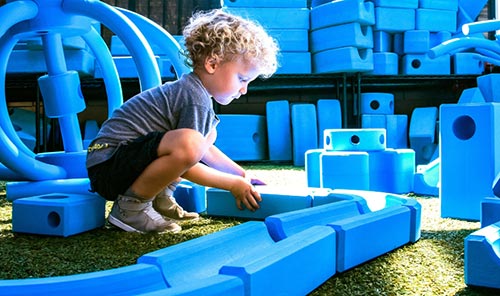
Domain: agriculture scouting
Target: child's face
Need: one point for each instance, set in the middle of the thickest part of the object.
(229, 80)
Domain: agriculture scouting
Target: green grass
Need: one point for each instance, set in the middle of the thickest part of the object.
(431, 266)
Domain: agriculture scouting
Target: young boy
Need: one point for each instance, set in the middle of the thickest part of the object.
(168, 132)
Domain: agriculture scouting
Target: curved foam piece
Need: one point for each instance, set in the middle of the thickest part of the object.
(481, 27)
(462, 44)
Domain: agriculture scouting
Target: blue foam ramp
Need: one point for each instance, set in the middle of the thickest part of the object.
(275, 18)
(242, 136)
(439, 4)
(467, 63)
(294, 63)
(264, 3)
(58, 214)
(426, 181)
(421, 64)
(341, 12)
(295, 265)
(355, 139)
(279, 130)
(344, 59)
(471, 95)
(482, 257)
(422, 132)
(275, 200)
(392, 170)
(394, 20)
(191, 196)
(350, 34)
(20, 189)
(344, 170)
(385, 63)
(488, 86)
(329, 117)
(304, 131)
(469, 139)
(291, 39)
(377, 103)
(33, 61)
(436, 20)
(490, 211)
(134, 279)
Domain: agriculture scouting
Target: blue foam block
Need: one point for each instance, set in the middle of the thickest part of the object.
(345, 170)
(420, 64)
(422, 132)
(133, 279)
(242, 136)
(294, 63)
(90, 130)
(33, 61)
(426, 181)
(329, 117)
(20, 189)
(396, 3)
(393, 20)
(275, 200)
(439, 4)
(416, 41)
(437, 38)
(355, 139)
(396, 127)
(350, 34)
(469, 139)
(279, 130)
(58, 214)
(377, 103)
(382, 41)
(392, 170)
(471, 95)
(471, 8)
(191, 196)
(290, 40)
(312, 167)
(385, 63)
(342, 12)
(345, 59)
(304, 131)
(490, 211)
(296, 265)
(264, 3)
(275, 18)
(467, 63)
(436, 20)
(482, 257)
(488, 85)
(72, 162)
(211, 286)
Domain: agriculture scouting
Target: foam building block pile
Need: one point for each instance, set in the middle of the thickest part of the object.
(360, 159)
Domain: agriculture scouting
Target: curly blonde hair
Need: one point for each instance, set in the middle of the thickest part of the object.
(226, 37)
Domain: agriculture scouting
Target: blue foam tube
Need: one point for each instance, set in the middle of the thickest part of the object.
(463, 43)
(481, 27)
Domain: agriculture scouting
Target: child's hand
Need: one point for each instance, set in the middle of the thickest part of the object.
(244, 193)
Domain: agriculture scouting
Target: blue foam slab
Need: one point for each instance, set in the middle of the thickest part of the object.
(426, 181)
(275, 200)
(377, 103)
(488, 85)
(264, 3)
(133, 279)
(436, 20)
(355, 139)
(329, 117)
(304, 131)
(419, 64)
(422, 131)
(396, 3)
(312, 167)
(385, 63)
(294, 63)
(275, 18)
(482, 257)
(242, 136)
(416, 41)
(396, 126)
(471, 95)
(58, 214)
(467, 63)
(393, 20)
(191, 196)
(344, 170)
(345, 59)
(342, 12)
(296, 265)
(33, 61)
(469, 139)
(290, 39)
(72, 162)
(490, 211)
(382, 42)
(392, 170)
(279, 130)
(350, 34)
(439, 4)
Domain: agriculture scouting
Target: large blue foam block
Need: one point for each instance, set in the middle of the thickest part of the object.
(396, 127)
(422, 132)
(279, 130)
(350, 34)
(393, 20)
(436, 20)
(344, 59)
(191, 196)
(342, 12)
(294, 63)
(304, 131)
(422, 64)
(275, 17)
(355, 139)
(488, 86)
(329, 117)
(377, 103)
(392, 170)
(344, 170)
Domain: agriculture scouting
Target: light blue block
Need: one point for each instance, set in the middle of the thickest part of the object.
(467, 63)
(279, 130)
(33, 61)
(422, 132)
(294, 63)
(396, 126)
(427, 180)
(377, 103)
(342, 12)
(242, 136)
(396, 3)
(345, 170)
(312, 167)
(58, 214)
(382, 42)
(394, 19)
(345, 59)
(72, 162)
(471, 95)
(275, 200)
(133, 279)
(488, 85)
(304, 131)
(419, 64)
(264, 3)
(385, 63)
(392, 170)
(482, 257)
(436, 20)
(291, 40)
(490, 211)
(416, 41)
(191, 196)
(329, 117)
(296, 265)
(439, 4)
(469, 139)
(350, 34)
(355, 139)
(275, 18)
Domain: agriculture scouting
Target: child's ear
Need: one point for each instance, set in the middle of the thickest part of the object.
(211, 64)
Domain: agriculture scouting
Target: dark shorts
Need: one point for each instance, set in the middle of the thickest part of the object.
(114, 176)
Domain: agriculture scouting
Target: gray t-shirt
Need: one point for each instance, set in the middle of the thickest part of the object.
(184, 103)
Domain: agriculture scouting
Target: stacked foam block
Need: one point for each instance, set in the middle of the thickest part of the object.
(287, 22)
